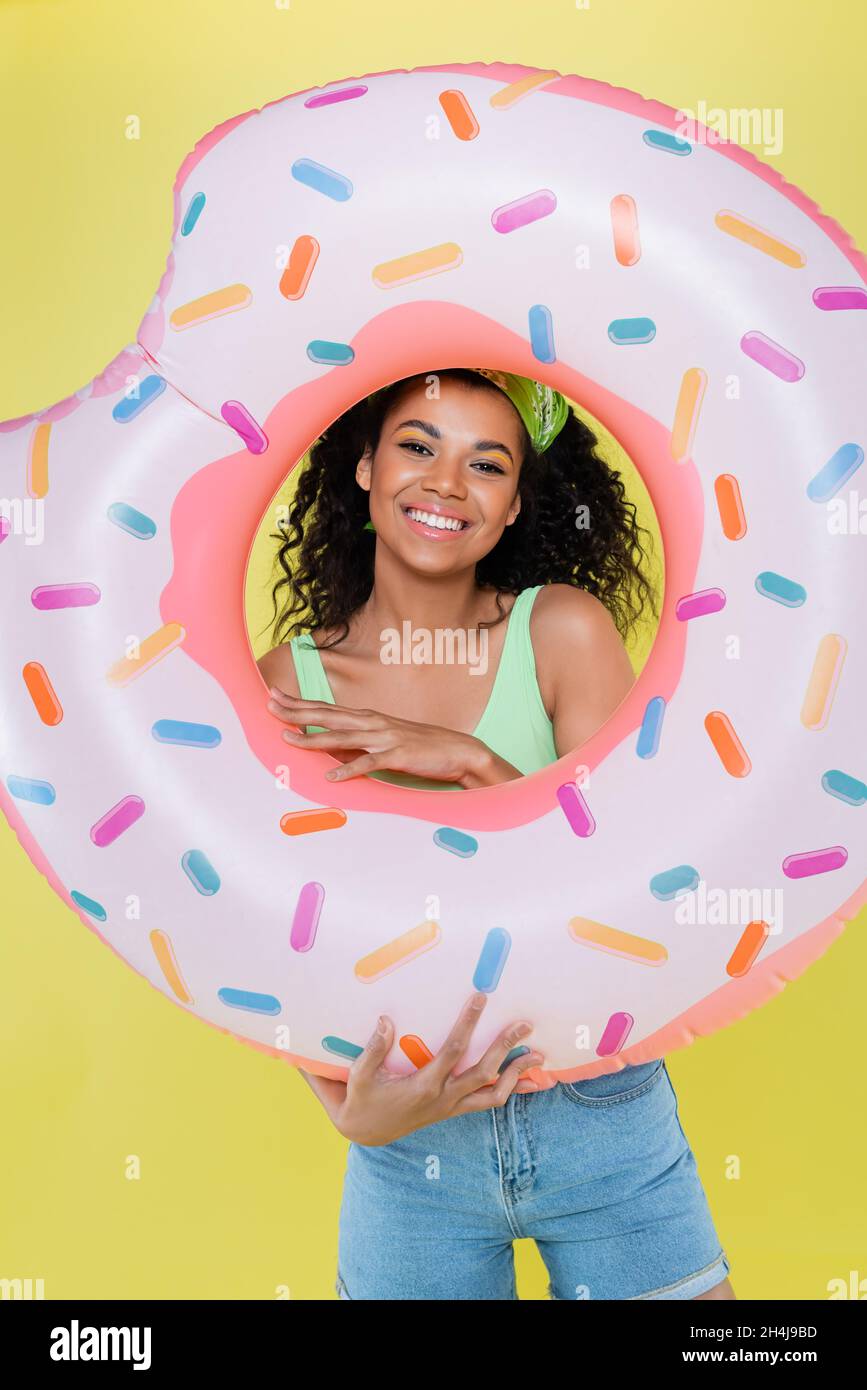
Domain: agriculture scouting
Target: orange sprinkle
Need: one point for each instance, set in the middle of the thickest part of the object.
(151, 650)
(730, 506)
(459, 114)
(417, 1051)
(624, 225)
(165, 954)
(761, 240)
(507, 96)
(209, 306)
(397, 952)
(299, 268)
(42, 693)
(306, 822)
(727, 744)
(823, 681)
(417, 265)
(619, 943)
(37, 460)
(743, 956)
(692, 388)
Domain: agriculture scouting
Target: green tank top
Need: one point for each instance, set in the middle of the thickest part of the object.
(514, 724)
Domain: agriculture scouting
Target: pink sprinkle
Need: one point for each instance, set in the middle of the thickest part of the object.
(117, 820)
(5, 527)
(617, 1030)
(840, 297)
(698, 604)
(523, 210)
(576, 810)
(344, 94)
(242, 422)
(772, 356)
(306, 918)
(814, 861)
(47, 596)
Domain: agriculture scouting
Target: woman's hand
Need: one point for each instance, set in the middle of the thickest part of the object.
(392, 745)
(376, 1107)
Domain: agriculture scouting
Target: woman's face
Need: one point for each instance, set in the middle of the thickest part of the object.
(443, 481)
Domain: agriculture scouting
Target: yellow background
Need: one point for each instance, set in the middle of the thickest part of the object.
(240, 1169)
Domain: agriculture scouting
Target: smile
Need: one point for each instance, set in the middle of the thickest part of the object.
(433, 523)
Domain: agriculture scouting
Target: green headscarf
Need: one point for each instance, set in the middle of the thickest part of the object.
(543, 410)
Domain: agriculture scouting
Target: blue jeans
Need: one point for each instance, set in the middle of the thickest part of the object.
(598, 1173)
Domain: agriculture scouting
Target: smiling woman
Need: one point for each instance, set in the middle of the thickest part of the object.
(472, 510)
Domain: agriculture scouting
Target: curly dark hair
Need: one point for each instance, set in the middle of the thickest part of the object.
(326, 554)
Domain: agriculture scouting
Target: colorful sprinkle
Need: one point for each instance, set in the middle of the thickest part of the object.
(522, 211)
(5, 528)
(47, 597)
(835, 473)
(849, 789)
(781, 590)
(310, 822)
(164, 951)
(729, 748)
(730, 507)
(624, 228)
(201, 872)
(416, 1050)
(31, 789)
(193, 213)
(615, 942)
(322, 179)
(686, 415)
(576, 810)
(743, 957)
(121, 816)
(246, 999)
(398, 952)
(455, 841)
(178, 731)
(341, 1048)
(492, 959)
(211, 306)
(299, 267)
(37, 461)
(824, 679)
(516, 91)
(88, 905)
(616, 1031)
(330, 354)
(337, 94)
(772, 356)
(666, 142)
(459, 114)
(840, 297)
(417, 265)
(699, 604)
(814, 861)
(131, 520)
(242, 422)
(541, 326)
(735, 225)
(625, 331)
(681, 879)
(306, 916)
(42, 693)
(140, 397)
(150, 651)
(651, 728)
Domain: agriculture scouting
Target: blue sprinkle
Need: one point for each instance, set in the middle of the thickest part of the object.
(341, 1047)
(844, 787)
(667, 885)
(31, 789)
(322, 179)
(455, 841)
(134, 522)
(651, 728)
(189, 735)
(493, 957)
(128, 407)
(332, 354)
(632, 330)
(664, 140)
(837, 471)
(510, 1056)
(88, 905)
(542, 333)
(191, 217)
(245, 999)
(781, 590)
(201, 872)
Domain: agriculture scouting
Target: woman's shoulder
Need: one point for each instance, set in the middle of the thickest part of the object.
(277, 667)
(563, 609)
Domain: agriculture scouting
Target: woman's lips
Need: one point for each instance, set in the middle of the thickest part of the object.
(433, 533)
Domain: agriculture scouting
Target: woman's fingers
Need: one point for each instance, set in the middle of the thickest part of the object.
(356, 768)
(339, 738)
(486, 1069)
(486, 1097)
(378, 1046)
(293, 705)
(458, 1039)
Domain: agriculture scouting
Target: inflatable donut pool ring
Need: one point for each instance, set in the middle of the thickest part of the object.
(711, 317)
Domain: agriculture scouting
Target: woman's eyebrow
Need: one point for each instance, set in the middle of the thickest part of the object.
(480, 445)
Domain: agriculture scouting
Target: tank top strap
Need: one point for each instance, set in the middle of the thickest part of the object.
(312, 680)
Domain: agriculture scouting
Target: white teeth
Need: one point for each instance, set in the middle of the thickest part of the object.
(441, 523)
